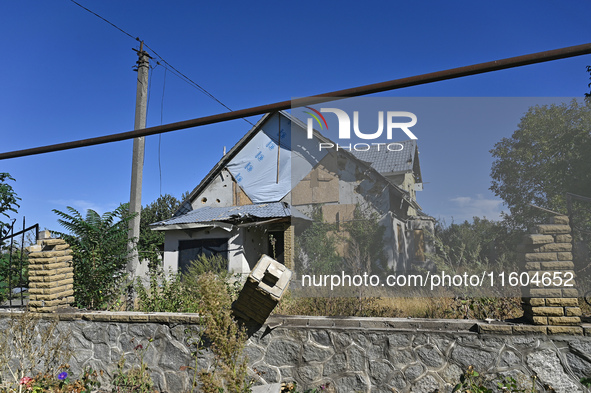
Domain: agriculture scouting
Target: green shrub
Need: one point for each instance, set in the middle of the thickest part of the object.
(163, 293)
(475, 246)
(216, 265)
(10, 273)
(100, 254)
(208, 289)
(316, 247)
(8, 201)
(151, 243)
(207, 264)
(226, 339)
(170, 292)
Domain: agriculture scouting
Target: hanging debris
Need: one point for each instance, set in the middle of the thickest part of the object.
(263, 289)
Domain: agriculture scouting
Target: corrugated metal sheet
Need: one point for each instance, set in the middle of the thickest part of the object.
(235, 213)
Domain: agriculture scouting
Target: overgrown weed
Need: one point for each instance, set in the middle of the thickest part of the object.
(171, 292)
(228, 371)
(402, 307)
(30, 345)
(137, 378)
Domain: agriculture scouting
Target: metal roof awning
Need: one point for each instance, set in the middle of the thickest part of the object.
(226, 217)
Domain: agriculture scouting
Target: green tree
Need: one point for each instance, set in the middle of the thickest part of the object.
(477, 245)
(100, 254)
(546, 157)
(151, 243)
(364, 238)
(316, 247)
(8, 201)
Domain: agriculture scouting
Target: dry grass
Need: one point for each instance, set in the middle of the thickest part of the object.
(404, 307)
(415, 307)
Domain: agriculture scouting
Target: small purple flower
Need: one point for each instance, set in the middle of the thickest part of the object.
(62, 376)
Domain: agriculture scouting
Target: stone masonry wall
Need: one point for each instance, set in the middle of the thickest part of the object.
(351, 354)
(51, 274)
(547, 256)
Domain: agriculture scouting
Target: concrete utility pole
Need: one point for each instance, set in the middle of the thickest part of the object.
(137, 164)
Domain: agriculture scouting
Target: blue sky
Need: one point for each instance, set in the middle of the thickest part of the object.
(68, 75)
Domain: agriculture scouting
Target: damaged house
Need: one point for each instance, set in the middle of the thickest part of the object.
(271, 185)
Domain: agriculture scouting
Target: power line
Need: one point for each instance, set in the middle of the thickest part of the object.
(176, 71)
(112, 24)
(192, 83)
(417, 80)
(187, 79)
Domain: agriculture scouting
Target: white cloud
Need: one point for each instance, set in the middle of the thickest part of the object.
(466, 207)
(83, 205)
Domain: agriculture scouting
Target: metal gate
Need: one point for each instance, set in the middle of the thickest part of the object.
(14, 282)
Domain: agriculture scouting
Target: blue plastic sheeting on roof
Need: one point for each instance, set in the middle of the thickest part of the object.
(305, 154)
(235, 213)
(255, 166)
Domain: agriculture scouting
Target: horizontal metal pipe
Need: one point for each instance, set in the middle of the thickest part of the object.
(453, 73)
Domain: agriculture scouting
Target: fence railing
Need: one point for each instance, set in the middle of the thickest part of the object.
(13, 266)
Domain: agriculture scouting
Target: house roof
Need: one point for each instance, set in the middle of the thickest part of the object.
(233, 214)
(221, 164)
(386, 161)
(373, 161)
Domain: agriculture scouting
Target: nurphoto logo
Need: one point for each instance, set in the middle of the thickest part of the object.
(392, 120)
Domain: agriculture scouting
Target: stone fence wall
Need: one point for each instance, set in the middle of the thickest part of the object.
(350, 354)
(345, 354)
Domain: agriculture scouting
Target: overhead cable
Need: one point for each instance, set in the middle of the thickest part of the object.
(174, 69)
(475, 69)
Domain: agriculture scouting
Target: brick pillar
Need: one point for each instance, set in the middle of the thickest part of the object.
(288, 247)
(549, 250)
(51, 275)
